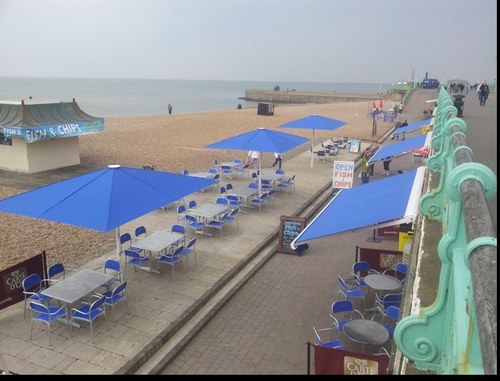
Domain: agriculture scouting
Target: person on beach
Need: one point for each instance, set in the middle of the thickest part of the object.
(169, 109)
(279, 158)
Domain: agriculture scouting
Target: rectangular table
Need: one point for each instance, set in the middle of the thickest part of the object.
(76, 287)
(157, 242)
(207, 212)
(245, 193)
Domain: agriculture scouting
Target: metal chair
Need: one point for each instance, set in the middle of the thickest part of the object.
(218, 222)
(360, 269)
(46, 315)
(342, 312)
(135, 259)
(32, 285)
(188, 249)
(89, 313)
(113, 297)
(328, 344)
(196, 226)
(388, 300)
(113, 267)
(170, 259)
(350, 290)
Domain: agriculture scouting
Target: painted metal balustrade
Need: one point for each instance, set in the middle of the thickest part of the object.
(457, 334)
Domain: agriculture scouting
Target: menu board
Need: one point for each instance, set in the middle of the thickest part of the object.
(290, 228)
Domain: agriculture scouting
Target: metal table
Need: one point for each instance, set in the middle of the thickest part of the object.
(243, 192)
(366, 331)
(382, 282)
(156, 242)
(207, 212)
(76, 287)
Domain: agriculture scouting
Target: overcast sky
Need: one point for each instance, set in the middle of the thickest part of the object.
(258, 40)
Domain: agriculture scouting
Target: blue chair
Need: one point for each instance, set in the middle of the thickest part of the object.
(218, 222)
(222, 201)
(327, 344)
(391, 314)
(388, 300)
(253, 185)
(126, 243)
(361, 269)
(114, 268)
(178, 229)
(89, 313)
(399, 271)
(140, 232)
(56, 269)
(170, 259)
(351, 291)
(232, 215)
(222, 190)
(135, 259)
(229, 186)
(32, 285)
(280, 171)
(46, 315)
(234, 201)
(342, 312)
(261, 200)
(188, 249)
(226, 171)
(195, 225)
(181, 214)
(191, 204)
(185, 172)
(113, 297)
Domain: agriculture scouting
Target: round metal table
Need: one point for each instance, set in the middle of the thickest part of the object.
(366, 331)
(382, 282)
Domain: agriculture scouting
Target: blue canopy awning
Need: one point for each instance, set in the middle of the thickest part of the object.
(411, 127)
(400, 148)
(391, 201)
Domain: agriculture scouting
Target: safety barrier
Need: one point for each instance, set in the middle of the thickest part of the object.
(457, 334)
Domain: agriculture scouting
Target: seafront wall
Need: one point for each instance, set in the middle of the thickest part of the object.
(283, 96)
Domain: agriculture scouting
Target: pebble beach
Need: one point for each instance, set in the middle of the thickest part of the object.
(169, 143)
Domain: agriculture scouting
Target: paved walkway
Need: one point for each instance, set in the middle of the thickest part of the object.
(157, 304)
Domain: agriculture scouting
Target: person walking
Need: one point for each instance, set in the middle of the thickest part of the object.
(253, 156)
(365, 176)
(386, 162)
(169, 109)
(279, 157)
(483, 91)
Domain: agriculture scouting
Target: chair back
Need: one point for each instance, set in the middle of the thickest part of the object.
(31, 281)
(229, 186)
(215, 162)
(392, 300)
(341, 306)
(361, 268)
(185, 172)
(253, 185)
(212, 170)
(181, 209)
(140, 230)
(132, 254)
(237, 160)
(178, 229)
(280, 171)
(221, 201)
(177, 251)
(55, 269)
(40, 308)
(191, 204)
(401, 268)
(222, 190)
(125, 237)
(392, 313)
(119, 289)
(97, 305)
(254, 175)
(191, 243)
(113, 265)
(191, 218)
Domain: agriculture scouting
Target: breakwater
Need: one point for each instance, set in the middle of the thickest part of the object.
(284, 96)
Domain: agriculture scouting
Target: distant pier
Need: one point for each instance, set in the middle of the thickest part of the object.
(283, 96)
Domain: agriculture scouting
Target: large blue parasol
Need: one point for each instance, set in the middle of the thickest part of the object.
(314, 122)
(261, 140)
(105, 199)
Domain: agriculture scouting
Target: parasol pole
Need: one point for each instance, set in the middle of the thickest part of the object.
(260, 173)
(312, 151)
(117, 230)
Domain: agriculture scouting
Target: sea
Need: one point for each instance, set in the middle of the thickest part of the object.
(147, 97)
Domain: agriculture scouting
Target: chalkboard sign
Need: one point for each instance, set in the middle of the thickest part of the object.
(290, 228)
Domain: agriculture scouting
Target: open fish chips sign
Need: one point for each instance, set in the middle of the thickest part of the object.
(343, 174)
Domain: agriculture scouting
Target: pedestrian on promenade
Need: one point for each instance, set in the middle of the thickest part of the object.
(365, 176)
(252, 158)
(483, 91)
(387, 163)
(169, 109)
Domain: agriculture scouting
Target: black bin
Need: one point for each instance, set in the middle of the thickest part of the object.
(458, 102)
(265, 109)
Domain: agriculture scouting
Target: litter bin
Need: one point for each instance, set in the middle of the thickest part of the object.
(265, 109)
(458, 102)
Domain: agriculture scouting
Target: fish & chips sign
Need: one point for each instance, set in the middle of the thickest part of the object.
(343, 174)
(54, 131)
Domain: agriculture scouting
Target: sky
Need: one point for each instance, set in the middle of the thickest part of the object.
(374, 41)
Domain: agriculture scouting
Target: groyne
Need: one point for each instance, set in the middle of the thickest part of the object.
(284, 96)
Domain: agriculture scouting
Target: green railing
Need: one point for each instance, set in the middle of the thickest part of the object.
(457, 334)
